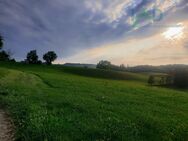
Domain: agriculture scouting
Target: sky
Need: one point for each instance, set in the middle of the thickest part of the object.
(130, 32)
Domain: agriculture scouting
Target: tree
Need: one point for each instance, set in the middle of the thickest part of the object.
(32, 57)
(4, 56)
(103, 64)
(49, 57)
(151, 80)
(1, 41)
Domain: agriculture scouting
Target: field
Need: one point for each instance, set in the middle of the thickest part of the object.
(55, 103)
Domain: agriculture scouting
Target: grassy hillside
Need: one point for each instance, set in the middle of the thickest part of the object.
(59, 103)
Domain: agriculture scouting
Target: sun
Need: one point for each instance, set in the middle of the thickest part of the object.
(175, 32)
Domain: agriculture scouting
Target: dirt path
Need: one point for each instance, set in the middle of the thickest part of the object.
(6, 128)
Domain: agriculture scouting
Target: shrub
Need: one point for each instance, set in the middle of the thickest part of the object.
(181, 79)
(151, 80)
(4, 56)
(103, 64)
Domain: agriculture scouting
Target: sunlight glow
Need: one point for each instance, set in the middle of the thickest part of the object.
(174, 32)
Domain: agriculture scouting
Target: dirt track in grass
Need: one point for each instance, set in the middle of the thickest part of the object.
(6, 127)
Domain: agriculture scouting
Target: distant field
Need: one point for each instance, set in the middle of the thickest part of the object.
(55, 103)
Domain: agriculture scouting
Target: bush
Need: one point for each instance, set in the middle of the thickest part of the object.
(181, 79)
(12, 60)
(104, 65)
(151, 80)
(39, 62)
(4, 56)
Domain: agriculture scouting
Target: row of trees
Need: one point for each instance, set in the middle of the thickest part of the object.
(176, 77)
(104, 64)
(32, 57)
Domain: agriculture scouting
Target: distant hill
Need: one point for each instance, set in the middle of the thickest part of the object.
(80, 65)
(161, 69)
(141, 68)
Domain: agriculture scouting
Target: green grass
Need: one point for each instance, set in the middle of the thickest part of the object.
(54, 103)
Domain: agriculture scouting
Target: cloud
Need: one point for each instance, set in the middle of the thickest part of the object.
(51, 25)
(116, 11)
(155, 50)
(70, 27)
(115, 51)
(112, 11)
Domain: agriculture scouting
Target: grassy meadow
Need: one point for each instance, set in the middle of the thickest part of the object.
(56, 103)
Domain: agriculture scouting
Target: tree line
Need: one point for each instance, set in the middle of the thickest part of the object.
(31, 57)
(174, 75)
(104, 64)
